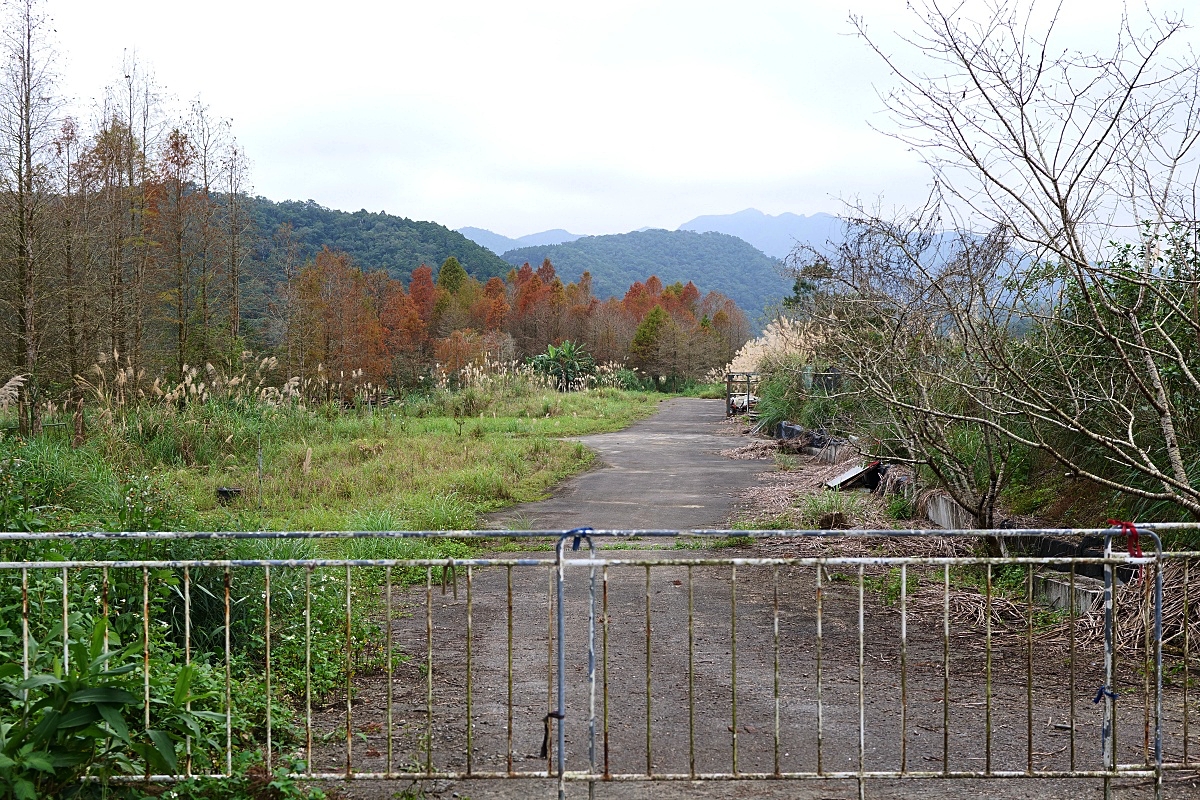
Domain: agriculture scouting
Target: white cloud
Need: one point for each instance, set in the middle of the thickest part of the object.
(521, 116)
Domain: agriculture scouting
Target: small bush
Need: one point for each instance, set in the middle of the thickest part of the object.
(888, 586)
(816, 507)
(899, 507)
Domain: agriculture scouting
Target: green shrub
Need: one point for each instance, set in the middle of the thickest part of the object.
(900, 507)
(814, 507)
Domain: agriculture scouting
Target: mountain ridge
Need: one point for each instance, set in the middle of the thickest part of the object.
(774, 235)
(713, 261)
(500, 244)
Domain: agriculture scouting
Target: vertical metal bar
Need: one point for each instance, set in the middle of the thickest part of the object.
(308, 733)
(987, 756)
(733, 662)
(1187, 564)
(146, 649)
(550, 660)
(187, 612)
(691, 675)
(903, 668)
(349, 682)
(604, 610)
(1146, 596)
(267, 655)
(428, 670)
(470, 680)
(1029, 668)
(649, 743)
(1116, 618)
(1071, 666)
(1158, 674)
(509, 668)
(592, 675)
(561, 682)
(946, 669)
(775, 665)
(228, 677)
(25, 633)
(820, 680)
(862, 688)
(387, 580)
(66, 639)
(1108, 728)
(187, 651)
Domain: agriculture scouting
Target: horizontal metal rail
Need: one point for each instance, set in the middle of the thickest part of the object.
(598, 533)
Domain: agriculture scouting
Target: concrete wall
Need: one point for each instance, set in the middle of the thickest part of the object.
(834, 454)
(1054, 590)
(945, 513)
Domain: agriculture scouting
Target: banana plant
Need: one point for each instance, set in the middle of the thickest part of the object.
(568, 364)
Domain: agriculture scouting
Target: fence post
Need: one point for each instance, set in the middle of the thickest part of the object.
(1109, 755)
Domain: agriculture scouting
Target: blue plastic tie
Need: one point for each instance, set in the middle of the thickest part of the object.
(1104, 692)
(578, 533)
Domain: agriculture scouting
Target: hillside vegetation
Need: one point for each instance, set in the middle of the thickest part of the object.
(715, 261)
(378, 240)
(436, 460)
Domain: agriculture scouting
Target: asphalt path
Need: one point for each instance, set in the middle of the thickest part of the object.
(490, 647)
(666, 472)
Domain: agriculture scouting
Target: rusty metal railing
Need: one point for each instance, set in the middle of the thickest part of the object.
(672, 664)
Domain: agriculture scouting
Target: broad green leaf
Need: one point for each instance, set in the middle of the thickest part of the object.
(34, 681)
(40, 762)
(165, 748)
(24, 790)
(103, 694)
(116, 722)
(77, 718)
(108, 673)
(183, 683)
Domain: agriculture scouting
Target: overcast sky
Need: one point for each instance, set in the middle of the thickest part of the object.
(524, 116)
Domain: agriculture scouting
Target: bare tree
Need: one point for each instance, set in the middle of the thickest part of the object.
(1066, 152)
(887, 303)
(237, 228)
(28, 124)
(209, 138)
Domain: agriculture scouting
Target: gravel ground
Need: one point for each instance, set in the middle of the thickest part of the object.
(705, 730)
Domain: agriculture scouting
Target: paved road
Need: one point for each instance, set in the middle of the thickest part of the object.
(665, 472)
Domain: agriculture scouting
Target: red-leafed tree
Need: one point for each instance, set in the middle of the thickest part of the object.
(348, 338)
(421, 289)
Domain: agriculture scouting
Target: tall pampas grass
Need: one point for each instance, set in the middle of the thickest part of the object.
(10, 391)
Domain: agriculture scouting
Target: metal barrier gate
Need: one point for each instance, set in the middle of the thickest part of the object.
(581, 666)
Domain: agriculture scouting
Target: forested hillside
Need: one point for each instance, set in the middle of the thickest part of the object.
(715, 261)
(382, 241)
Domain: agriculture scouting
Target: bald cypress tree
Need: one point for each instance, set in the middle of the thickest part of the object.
(451, 276)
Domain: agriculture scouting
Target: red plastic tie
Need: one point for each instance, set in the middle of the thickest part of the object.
(1131, 541)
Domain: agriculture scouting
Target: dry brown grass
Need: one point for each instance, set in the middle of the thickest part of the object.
(782, 337)
(10, 390)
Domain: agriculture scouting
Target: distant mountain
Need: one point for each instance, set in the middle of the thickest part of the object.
(713, 261)
(375, 241)
(775, 236)
(492, 241)
(500, 244)
(556, 236)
